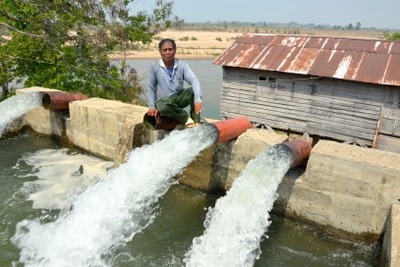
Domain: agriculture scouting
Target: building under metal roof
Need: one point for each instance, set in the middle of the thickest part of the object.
(362, 60)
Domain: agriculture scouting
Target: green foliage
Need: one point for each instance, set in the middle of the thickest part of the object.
(64, 44)
(394, 37)
(184, 38)
(218, 39)
(193, 38)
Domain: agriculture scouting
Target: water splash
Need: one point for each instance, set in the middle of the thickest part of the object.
(235, 226)
(73, 172)
(108, 214)
(14, 107)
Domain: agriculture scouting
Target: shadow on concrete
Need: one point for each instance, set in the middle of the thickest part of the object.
(285, 189)
(220, 166)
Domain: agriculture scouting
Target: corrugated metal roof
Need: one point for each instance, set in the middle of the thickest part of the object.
(363, 60)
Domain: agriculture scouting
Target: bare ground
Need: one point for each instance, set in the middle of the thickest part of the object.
(200, 45)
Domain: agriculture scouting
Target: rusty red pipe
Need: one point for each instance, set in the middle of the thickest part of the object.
(227, 129)
(300, 149)
(231, 128)
(59, 100)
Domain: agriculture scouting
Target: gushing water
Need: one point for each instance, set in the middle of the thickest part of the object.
(14, 107)
(235, 226)
(110, 213)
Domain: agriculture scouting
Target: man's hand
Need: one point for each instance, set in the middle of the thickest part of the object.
(198, 107)
(152, 112)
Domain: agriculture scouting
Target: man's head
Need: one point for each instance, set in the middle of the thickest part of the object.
(167, 49)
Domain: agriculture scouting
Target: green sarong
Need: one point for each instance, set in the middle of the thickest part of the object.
(173, 106)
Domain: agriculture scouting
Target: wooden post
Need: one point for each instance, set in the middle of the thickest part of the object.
(376, 136)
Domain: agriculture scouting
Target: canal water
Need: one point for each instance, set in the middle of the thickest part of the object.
(33, 167)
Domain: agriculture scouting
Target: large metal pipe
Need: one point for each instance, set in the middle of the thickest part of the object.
(226, 129)
(300, 149)
(59, 100)
(232, 128)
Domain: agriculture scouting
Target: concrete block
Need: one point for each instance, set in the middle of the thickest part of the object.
(360, 183)
(247, 146)
(390, 254)
(198, 174)
(109, 124)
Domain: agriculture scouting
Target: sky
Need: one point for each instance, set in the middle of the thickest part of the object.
(383, 14)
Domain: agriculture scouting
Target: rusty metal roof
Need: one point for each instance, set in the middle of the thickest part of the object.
(363, 60)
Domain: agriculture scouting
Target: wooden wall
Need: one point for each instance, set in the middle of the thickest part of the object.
(327, 107)
(391, 112)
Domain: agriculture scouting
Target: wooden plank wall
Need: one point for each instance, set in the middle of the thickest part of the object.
(389, 143)
(332, 108)
(391, 112)
(345, 110)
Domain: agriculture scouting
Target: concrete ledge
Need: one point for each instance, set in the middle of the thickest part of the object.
(390, 254)
(346, 190)
(104, 127)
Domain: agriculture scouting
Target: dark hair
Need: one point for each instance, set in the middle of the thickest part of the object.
(166, 40)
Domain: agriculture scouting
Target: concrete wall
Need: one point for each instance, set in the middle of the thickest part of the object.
(390, 255)
(104, 127)
(346, 190)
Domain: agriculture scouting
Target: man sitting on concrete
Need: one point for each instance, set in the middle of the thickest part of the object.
(165, 92)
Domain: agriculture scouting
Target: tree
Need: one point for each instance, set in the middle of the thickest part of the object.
(225, 23)
(394, 37)
(350, 27)
(178, 23)
(65, 44)
(358, 26)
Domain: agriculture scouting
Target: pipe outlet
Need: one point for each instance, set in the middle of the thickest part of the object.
(232, 128)
(300, 149)
(59, 100)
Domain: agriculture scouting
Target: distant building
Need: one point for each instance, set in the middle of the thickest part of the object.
(341, 88)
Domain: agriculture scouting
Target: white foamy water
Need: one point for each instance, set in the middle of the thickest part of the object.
(239, 220)
(109, 213)
(61, 173)
(14, 107)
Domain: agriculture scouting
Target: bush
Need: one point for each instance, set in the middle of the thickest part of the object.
(218, 39)
(193, 38)
(184, 38)
(395, 36)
